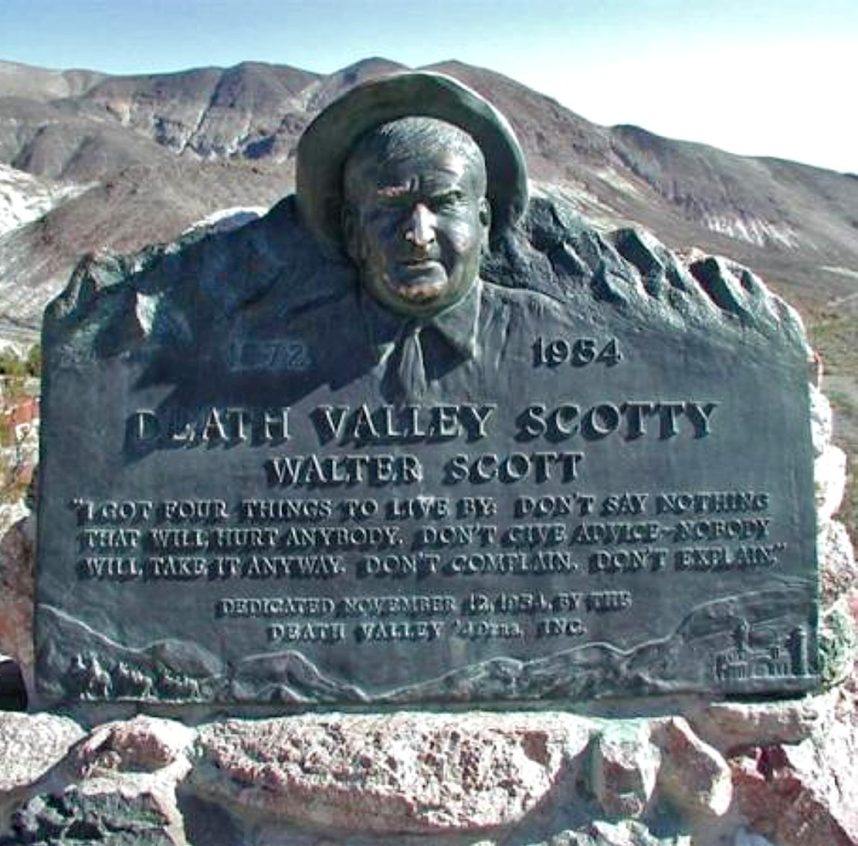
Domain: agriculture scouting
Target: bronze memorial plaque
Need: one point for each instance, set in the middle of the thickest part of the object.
(421, 434)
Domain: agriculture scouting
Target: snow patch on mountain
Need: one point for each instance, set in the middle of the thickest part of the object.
(617, 180)
(24, 197)
(754, 230)
(29, 277)
(224, 220)
(841, 271)
(601, 215)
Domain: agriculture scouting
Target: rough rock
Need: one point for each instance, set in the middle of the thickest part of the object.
(821, 420)
(693, 774)
(627, 833)
(729, 726)
(32, 744)
(805, 794)
(116, 787)
(625, 766)
(837, 567)
(829, 474)
(838, 643)
(481, 779)
(98, 814)
(417, 773)
(143, 744)
(17, 553)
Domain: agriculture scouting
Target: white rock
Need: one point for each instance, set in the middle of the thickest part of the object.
(24, 197)
(821, 420)
(730, 725)
(693, 774)
(30, 744)
(829, 474)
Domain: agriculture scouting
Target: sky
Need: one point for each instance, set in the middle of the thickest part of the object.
(755, 77)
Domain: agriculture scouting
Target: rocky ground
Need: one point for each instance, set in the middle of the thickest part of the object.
(739, 774)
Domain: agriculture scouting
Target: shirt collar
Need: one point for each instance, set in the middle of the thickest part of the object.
(457, 325)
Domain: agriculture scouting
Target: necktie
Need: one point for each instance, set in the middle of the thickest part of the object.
(411, 371)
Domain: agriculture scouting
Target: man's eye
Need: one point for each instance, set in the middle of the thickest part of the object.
(448, 200)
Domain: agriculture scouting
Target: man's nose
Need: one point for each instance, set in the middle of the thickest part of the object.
(420, 226)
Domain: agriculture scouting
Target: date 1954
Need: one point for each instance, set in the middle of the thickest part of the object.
(577, 352)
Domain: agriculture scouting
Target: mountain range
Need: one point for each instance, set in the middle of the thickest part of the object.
(90, 161)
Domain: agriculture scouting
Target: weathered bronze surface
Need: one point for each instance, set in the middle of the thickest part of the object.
(417, 469)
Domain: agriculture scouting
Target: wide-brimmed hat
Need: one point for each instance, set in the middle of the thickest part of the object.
(326, 143)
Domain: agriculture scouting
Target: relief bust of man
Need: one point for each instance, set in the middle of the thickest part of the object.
(415, 213)
(411, 176)
(405, 157)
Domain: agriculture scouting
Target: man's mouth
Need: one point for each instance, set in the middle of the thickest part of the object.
(420, 291)
(419, 263)
(419, 278)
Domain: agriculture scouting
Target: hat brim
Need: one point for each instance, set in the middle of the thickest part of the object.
(326, 143)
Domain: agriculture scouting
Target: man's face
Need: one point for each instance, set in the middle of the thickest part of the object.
(416, 228)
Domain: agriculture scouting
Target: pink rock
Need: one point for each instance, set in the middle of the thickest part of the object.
(837, 566)
(625, 766)
(405, 772)
(30, 744)
(17, 553)
(120, 778)
(729, 726)
(805, 794)
(692, 774)
(143, 744)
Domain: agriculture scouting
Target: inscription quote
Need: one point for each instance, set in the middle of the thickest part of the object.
(265, 540)
(466, 540)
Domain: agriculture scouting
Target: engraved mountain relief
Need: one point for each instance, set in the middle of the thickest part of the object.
(174, 672)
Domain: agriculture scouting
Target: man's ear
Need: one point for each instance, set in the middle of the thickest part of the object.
(485, 215)
(351, 232)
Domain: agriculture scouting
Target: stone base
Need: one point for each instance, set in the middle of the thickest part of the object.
(728, 774)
